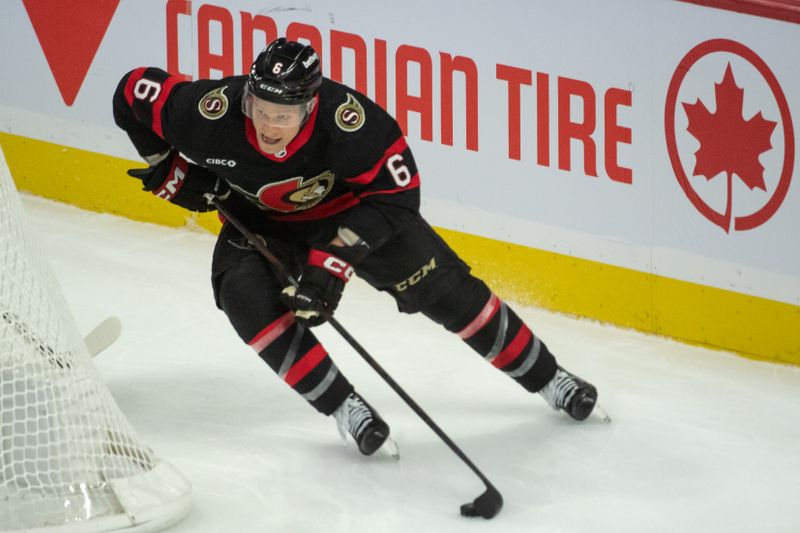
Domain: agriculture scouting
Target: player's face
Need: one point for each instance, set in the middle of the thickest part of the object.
(276, 124)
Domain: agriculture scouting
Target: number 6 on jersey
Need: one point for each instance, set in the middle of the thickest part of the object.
(398, 170)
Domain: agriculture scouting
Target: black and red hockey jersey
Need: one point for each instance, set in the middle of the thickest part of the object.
(348, 166)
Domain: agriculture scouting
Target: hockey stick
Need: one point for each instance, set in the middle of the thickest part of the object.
(101, 337)
(487, 504)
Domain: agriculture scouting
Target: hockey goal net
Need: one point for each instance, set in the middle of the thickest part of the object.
(69, 459)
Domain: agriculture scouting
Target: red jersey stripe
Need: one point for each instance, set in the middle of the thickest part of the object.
(482, 319)
(514, 349)
(413, 184)
(345, 201)
(166, 88)
(135, 76)
(367, 177)
(305, 365)
(268, 335)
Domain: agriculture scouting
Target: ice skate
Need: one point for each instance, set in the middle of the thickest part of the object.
(571, 394)
(362, 422)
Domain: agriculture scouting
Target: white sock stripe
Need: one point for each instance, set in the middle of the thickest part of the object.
(530, 359)
(323, 385)
(500, 340)
(291, 354)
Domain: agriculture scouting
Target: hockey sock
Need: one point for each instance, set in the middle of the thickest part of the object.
(295, 354)
(496, 332)
(267, 326)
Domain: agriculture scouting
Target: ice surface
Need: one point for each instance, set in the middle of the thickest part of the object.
(701, 440)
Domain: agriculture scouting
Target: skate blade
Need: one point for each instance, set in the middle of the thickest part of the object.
(390, 449)
(602, 414)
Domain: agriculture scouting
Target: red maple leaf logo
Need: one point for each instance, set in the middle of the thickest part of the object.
(728, 142)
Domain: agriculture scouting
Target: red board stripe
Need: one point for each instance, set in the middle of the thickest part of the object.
(787, 10)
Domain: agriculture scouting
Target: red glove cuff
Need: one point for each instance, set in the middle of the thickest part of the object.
(174, 181)
(330, 263)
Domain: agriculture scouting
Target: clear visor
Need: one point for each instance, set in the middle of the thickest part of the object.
(262, 112)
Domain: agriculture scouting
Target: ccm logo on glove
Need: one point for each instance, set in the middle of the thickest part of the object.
(317, 295)
(338, 267)
(174, 179)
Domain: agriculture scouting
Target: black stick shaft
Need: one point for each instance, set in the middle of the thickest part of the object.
(261, 247)
(408, 399)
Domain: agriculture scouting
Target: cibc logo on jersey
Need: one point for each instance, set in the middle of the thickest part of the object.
(222, 162)
(296, 194)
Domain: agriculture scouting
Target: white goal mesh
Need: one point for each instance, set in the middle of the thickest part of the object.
(69, 460)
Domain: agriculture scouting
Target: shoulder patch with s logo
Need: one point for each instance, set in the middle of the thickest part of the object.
(213, 104)
(350, 115)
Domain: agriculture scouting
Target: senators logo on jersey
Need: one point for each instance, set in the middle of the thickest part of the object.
(350, 115)
(296, 194)
(214, 104)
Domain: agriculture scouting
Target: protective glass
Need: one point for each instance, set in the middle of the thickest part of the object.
(275, 115)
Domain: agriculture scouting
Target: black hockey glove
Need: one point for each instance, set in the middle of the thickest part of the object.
(320, 289)
(182, 183)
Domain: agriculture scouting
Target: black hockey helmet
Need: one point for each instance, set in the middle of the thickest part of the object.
(286, 72)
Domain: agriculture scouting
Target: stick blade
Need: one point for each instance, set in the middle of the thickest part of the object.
(487, 505)
(103, 335)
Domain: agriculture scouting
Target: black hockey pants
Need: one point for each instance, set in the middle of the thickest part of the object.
(416, 267)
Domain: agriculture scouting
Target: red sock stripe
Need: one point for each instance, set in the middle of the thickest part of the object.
(306, 364)
(267, 335)
(166, 88)
(482, 319)
(514, 349)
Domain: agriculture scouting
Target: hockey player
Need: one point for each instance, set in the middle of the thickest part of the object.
(326, 177)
